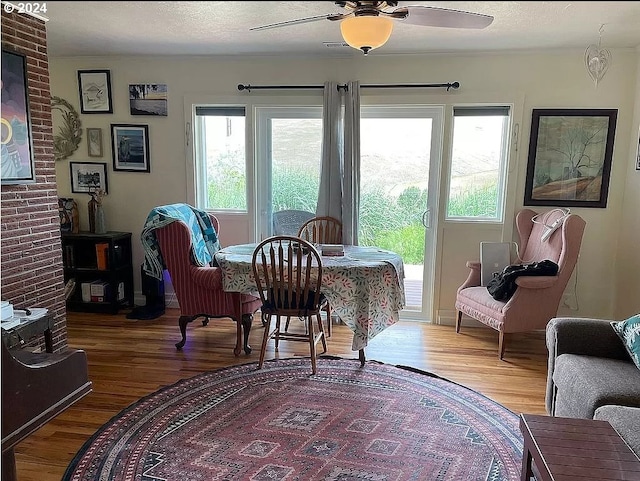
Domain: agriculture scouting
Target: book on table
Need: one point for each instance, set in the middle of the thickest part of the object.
(332, 249)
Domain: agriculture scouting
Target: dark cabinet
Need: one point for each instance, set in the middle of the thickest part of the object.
(101, 268)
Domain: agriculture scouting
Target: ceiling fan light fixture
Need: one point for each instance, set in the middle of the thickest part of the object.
(366, 32)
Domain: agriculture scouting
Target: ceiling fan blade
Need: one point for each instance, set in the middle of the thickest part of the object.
(443, 17)
(329, 16)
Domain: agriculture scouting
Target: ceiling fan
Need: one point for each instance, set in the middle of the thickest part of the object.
(368, 24)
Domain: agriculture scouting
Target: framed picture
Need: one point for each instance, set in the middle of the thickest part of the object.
(94, 142)
(95, 91)
(17, 165)
(130, 147)
(570, 153)
(87, 177)
(148, 99)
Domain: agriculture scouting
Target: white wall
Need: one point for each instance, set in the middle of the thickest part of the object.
(627, 288)
(526, 80)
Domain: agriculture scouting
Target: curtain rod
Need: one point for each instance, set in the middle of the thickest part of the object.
(448, 86)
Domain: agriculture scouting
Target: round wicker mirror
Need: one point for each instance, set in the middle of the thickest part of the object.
(67, 138)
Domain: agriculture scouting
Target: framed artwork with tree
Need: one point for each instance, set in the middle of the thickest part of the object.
(570, 154)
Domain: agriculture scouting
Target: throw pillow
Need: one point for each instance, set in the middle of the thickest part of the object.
(629, 332)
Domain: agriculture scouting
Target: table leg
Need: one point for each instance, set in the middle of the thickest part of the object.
(526, 465)
(361, 357)
(48, 340)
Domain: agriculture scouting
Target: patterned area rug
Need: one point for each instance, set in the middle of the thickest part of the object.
(279, 423)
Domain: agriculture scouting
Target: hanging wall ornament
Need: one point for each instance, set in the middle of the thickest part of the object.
(597, 60)
(67, 138)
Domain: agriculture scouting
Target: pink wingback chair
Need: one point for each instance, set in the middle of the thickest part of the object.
(199, 289)
(536, 299)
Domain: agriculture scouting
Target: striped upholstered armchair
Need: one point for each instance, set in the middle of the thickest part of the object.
(199, 288)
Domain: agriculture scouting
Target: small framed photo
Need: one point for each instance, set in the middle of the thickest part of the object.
(94, 142)
(130, 147)
(148, 99)
(87, 177)
(95, 91)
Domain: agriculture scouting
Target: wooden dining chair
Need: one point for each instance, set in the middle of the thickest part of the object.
(322, 230)
(288, 275)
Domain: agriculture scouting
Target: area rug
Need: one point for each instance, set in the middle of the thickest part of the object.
(375, 423)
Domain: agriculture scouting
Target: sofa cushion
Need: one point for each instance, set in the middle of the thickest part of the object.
(629, 332)
(625, 420)
(585, 383)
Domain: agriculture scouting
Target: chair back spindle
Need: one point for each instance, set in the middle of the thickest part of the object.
(322, 230)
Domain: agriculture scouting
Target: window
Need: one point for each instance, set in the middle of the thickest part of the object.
(393, 142)
(289, 151)
(479, 152)
(296, 145)
(220, 158)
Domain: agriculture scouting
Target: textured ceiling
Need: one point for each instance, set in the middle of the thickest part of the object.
(222, 28)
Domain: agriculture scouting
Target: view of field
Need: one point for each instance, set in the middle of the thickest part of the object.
(394, 172)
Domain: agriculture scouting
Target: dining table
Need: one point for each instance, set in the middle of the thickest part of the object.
(365, 286)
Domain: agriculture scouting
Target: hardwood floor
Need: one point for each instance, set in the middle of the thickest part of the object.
(129, 359)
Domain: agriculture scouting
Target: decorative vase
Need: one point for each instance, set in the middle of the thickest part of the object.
(100, 226)
(75, 216)
(92, 206)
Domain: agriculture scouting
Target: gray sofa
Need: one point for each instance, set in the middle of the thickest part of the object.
(592, 376)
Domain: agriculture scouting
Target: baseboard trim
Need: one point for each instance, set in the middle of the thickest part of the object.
(447, 317)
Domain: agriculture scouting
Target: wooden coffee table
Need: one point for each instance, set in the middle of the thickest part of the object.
(575, 450)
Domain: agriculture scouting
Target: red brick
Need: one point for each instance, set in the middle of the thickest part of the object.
(30, 251)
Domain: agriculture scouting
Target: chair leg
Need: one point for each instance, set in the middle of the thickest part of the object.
(247, 320)
(329, 322)
(266, 320)
(312, 344)
(182, 322)
(322, 333)
(286, 326)
(458, 321)
(501, 346)
(277, 333)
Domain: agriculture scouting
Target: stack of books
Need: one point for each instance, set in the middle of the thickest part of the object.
(332, 250)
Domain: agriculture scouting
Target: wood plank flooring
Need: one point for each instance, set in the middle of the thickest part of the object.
(129, 359)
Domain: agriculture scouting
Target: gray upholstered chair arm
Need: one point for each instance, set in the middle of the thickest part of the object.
(589, 337)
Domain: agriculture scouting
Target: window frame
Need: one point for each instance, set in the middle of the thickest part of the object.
(262, 163)
(199, 152)
(505, 149)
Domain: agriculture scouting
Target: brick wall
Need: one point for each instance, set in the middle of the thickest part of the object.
(30, 256)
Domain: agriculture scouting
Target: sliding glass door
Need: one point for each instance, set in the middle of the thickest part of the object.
(288, 152)
(401, 150)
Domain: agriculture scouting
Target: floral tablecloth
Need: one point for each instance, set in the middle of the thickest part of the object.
(365, 286)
